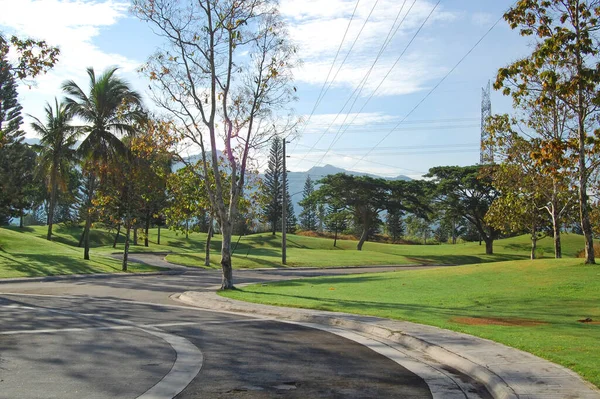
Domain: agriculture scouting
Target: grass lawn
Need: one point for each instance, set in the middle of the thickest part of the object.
(530, 305)
(264, 250)
(23, 253)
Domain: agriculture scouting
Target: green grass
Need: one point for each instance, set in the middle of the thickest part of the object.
(264, 250)
(23, 253)
(553, 293)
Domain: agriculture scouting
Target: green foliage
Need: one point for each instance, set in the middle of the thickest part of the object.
(272, 188)
(10, 109)
(56, 156)
(308, 216)
(464, 191)
(17, 184)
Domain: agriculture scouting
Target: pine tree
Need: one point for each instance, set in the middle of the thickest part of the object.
(395, 225)
(10, 109)
(308, 216)
(291, 220)
(273, 186)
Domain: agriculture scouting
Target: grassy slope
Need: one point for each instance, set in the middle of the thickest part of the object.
(264, 250)
(23, 253)
(555, 293)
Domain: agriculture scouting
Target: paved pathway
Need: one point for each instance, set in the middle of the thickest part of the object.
(253, 357)
(122, 337)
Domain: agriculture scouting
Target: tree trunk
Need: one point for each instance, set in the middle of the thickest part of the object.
(158, 240)
(51, 212)
(227, 278)
(187, 229)
(533, 241)
(117, 235)
(146, 238)
(22, 215)
(489, 245)
(135, 235)
(586, 226)
(335, 237)
(81, 238)
(207, 249)
(86, 236)
(126, 250)
(556, 225)
(363, 238)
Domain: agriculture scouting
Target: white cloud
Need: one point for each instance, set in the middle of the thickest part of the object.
(482, 18)
(317, 28)
(72, 25)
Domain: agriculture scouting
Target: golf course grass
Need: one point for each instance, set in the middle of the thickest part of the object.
(538, 306)
(24, 254)
(264, 250)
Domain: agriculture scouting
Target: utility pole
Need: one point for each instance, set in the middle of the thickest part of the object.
(284, 210)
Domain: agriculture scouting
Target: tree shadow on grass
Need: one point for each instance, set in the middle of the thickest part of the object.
(38, 265)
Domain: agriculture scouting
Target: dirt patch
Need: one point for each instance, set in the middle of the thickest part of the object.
(589, 321)
(497, 321)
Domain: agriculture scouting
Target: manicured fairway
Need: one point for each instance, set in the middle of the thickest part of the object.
(532, 305)
(24, 254)
(264, 250)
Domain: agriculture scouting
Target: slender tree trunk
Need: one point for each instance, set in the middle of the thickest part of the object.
(335, 237)
(227, 278)
(126, 250)
(117, 235)
(22, 215)
(81, 238)
(135, 235)
(363, 238)
(158, 240)
(207, 249)
(51, 210)
(489, 245)
(86, 236)
(147, 230)
(533, 240)
(586, 226)
(187, 229)
(556, 224)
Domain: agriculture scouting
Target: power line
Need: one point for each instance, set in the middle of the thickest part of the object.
(449, 120)
(345, 58)
(337, 138)
(386, 42)
(323, 91)
(433, 89)
(373, 162)
(410, 129)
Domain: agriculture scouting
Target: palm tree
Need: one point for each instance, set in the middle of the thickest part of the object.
(56, 153)
(110, 108)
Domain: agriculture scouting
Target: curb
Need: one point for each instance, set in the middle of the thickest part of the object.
(496, 386)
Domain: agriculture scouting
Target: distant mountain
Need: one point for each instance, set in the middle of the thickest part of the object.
(297, 179)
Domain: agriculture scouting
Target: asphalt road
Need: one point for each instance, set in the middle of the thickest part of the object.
(122, 337)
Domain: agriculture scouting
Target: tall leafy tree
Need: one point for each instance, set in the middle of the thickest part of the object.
(566, 34)
(308, 216)
(32, 58)
(56, 153)
(109, 108)
(225, 74)
(273, 186)
(469, 194)
(10, 109)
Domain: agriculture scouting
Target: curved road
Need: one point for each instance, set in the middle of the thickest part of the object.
(122, 337)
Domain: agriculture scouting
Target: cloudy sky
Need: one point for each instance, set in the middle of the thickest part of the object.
(380, 108)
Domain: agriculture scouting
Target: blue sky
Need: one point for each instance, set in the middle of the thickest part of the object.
(443, 130)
